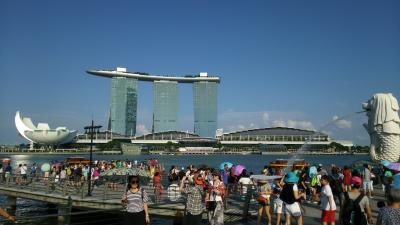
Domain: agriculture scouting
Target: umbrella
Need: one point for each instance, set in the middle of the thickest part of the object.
(395, 166)
(386, 163)
(237, 170)
(222, 165)
(264, 177)
(45, 167)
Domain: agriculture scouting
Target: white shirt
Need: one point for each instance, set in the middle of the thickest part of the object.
(245, 181)
(24, 169)
(326, 193)
(218, 198)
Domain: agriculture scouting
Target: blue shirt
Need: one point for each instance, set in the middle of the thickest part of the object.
(224, 175)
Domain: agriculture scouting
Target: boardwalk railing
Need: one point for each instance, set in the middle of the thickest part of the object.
(106, 194)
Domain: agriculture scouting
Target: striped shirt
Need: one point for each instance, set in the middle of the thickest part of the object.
(135, 202)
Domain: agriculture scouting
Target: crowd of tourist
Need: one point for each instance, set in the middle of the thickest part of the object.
(280, 193)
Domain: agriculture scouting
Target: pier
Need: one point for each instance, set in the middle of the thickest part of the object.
(106, 200)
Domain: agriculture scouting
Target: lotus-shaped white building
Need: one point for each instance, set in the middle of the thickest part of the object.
(42, 134)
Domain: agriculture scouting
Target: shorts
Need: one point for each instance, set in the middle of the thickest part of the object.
(367, 185)
(277, 206)
(293, 209)
(328, 216)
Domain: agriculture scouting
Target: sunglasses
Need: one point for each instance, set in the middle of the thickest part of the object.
(134, 181)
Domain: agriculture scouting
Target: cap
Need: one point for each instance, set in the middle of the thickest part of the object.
(291, 178)
(356, 180)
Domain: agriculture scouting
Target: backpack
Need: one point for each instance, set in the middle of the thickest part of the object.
(287, 194)
(69, 172)
(336, 185)
(33, 170)
(314, 181)
(353, 214)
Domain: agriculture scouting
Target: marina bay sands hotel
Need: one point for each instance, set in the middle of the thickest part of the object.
(123, 107)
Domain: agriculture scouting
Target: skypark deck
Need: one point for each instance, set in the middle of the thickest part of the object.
(148, 77)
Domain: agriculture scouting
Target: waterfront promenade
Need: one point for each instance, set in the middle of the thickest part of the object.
(68, 196)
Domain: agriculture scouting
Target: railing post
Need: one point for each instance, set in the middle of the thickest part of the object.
(47, 185)
(64, 212)
(83, 190)
(33, 184)
(105, 191)
(247, 203)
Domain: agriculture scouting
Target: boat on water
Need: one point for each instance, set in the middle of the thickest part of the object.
(297, 163)
(76, 160)
(5, 160)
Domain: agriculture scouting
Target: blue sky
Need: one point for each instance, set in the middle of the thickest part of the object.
(293, 63)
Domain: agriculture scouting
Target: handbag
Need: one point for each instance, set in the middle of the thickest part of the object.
(261, 199)
(211, 205)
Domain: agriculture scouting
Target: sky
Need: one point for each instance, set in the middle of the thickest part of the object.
(288, 63)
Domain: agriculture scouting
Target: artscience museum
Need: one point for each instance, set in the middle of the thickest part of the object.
(42, 134)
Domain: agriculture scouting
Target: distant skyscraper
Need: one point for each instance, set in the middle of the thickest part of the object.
(123, 105)
(205, 108)
(165, 103)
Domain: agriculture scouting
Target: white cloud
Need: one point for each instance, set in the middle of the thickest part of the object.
(342, 123)
(300, 124)
(141, 129)
(265, 117)
(279, 123)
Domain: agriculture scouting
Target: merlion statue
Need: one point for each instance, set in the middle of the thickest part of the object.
(383, 127)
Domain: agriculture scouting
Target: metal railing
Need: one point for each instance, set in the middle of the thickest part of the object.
(238, 207)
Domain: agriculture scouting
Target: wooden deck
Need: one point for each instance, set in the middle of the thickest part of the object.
(104, 198)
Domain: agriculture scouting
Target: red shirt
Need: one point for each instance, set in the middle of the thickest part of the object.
(347, 177)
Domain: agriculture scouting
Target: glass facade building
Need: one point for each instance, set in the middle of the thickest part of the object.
(165, 103)
(205, 108)
(123, 105)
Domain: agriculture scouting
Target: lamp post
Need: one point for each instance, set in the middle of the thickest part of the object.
(91, 130)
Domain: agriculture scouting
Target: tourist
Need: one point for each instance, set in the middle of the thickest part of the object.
(244, 183)
(346, 179)
(18, 174)
(135, 199)
(265, 171)
(214, 200)
(263, 199)
(391, 215)
(194, 206)
(277, 203)
(290, 195)
(8, 173)
(96, 176)
(173, 175)
(366, 175)
(336, 184)
(24, 172)
(386, 175)
(63, 175)
(371, 183)
(327, 202)
(157, 187)
(361, 213)
(1, 173)
(302, 183)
